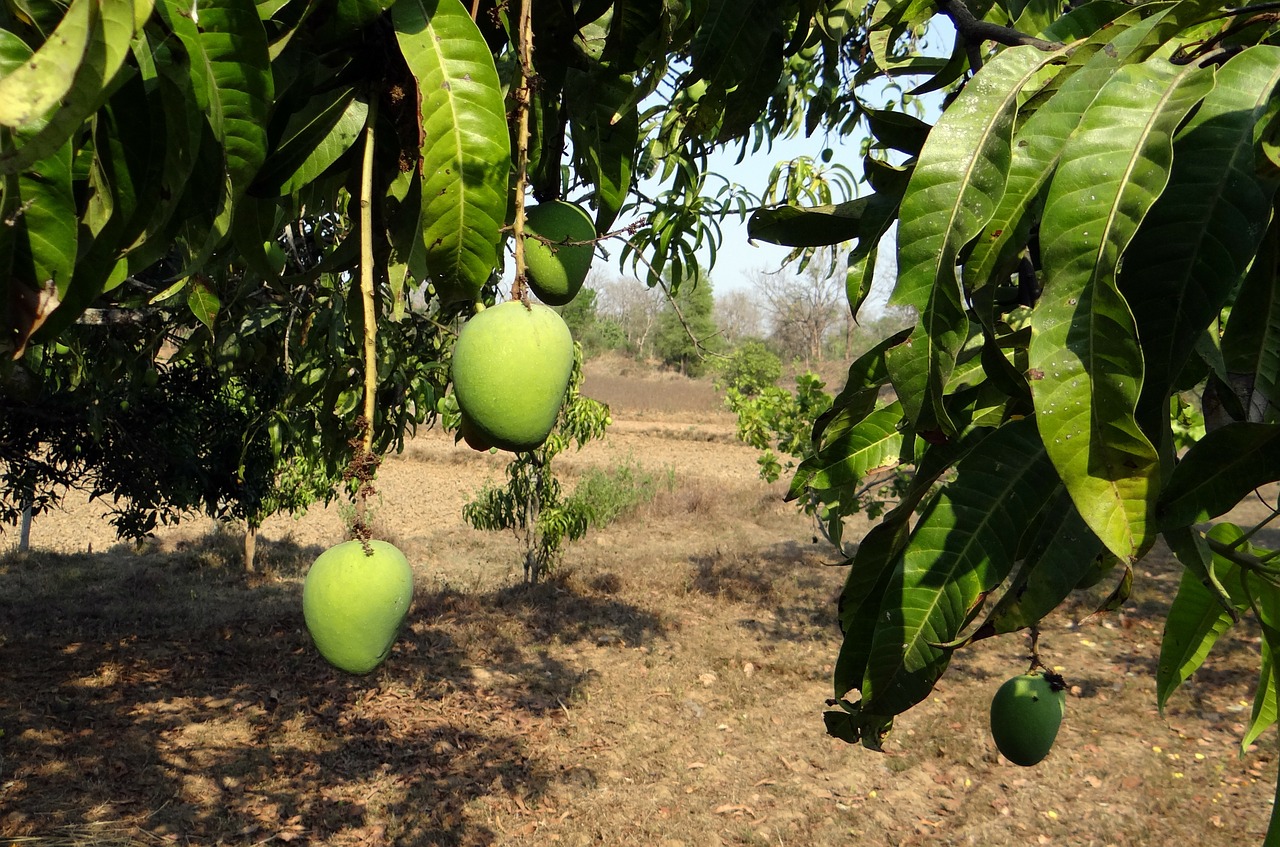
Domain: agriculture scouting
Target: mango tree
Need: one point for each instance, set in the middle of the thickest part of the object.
(1087, 235)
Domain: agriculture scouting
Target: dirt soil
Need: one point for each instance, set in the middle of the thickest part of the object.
(664, 687)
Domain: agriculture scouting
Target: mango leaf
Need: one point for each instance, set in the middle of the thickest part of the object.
(466, 154)
(1218, 471)
(202, 301)
(734, 40)
(1038, 143)
(605, 128)
(313, 139)
(1251, 338)
(1196, 620)
(114, 26)
(1196, 242)
(1263, 714)
(859, 602)
(874, 444)
(40, 204)
(953, 191)
(960, 549)
(1086, 366)
(1061, 550)
(31, 89)
(808, 226)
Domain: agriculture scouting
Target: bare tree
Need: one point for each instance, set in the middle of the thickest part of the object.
(801, 311)
(739, 316)
(635, 306)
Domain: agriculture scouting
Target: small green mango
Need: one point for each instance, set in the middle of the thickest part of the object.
(511, 367)
(556, 271)
(354, 604)
(1025, 715)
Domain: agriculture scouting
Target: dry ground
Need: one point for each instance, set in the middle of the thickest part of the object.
(664, 688)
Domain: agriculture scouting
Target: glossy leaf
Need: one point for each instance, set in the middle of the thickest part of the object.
(1195, 622)
(1218, 471)
(1200, 235)
(605, 129)
(1086, 366)
(959, 551)
(315, 137)
(31, 89)
(1061, 549)
(1038, 143)
(115, 24)
(874, 444)
(953, 191)
(1251, 338)
(1263, 714)
(465, 150)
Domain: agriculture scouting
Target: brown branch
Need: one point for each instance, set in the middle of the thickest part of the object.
(974, 31)
(524, 96)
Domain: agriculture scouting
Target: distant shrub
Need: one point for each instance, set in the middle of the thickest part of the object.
(607, 494)
(749, 369)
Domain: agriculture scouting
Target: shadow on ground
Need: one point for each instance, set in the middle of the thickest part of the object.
(163, 694)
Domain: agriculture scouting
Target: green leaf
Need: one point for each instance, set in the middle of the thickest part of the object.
(953, 191)
(859, 604)
(466, 154)
(1197, 241)
(314, 138)
(43, 220)
(1086, 365)
(203, 302)
(116, 23)
(1038, 143)
(1195, 622)
(1251, 338)
(1061, 550)
(1218, 471)
(605, 128)
(30, 90)
(808, 226)
(1263, 714)
(735, 39)
(964, 544)
(874, 444)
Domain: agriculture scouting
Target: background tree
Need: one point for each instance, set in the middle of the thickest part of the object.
(801, 310)
(635, 308)
(738, 315)
(686, 332)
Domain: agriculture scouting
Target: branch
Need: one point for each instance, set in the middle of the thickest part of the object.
(975, 31)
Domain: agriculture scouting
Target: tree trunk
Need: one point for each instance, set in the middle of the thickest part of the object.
(250, 547)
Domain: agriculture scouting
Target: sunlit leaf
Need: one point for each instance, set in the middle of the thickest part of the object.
(1218, 471)
(465, 150)
(1086, 366)
(953, 191)
(1200, 235)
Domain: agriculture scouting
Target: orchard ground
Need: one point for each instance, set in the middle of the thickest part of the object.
(664, 687)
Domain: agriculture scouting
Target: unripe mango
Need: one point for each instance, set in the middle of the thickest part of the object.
(511, 367)
(354, 604)
(556, 271)
(1025, 715)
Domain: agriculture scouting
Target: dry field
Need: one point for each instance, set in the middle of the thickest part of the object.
(665, 687)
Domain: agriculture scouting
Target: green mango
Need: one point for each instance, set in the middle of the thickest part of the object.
(511, 367)
(1025, 715)
(354, 604)
(556, 271)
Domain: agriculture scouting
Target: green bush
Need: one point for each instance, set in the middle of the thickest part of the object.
(607, 494)
(750, 369)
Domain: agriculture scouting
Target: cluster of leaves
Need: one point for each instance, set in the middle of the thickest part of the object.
(1085, 233)
(533, 504)
(202, 164)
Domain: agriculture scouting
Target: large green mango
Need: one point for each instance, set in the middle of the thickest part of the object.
(1025, 715)
(511, 367)
(354, 604)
